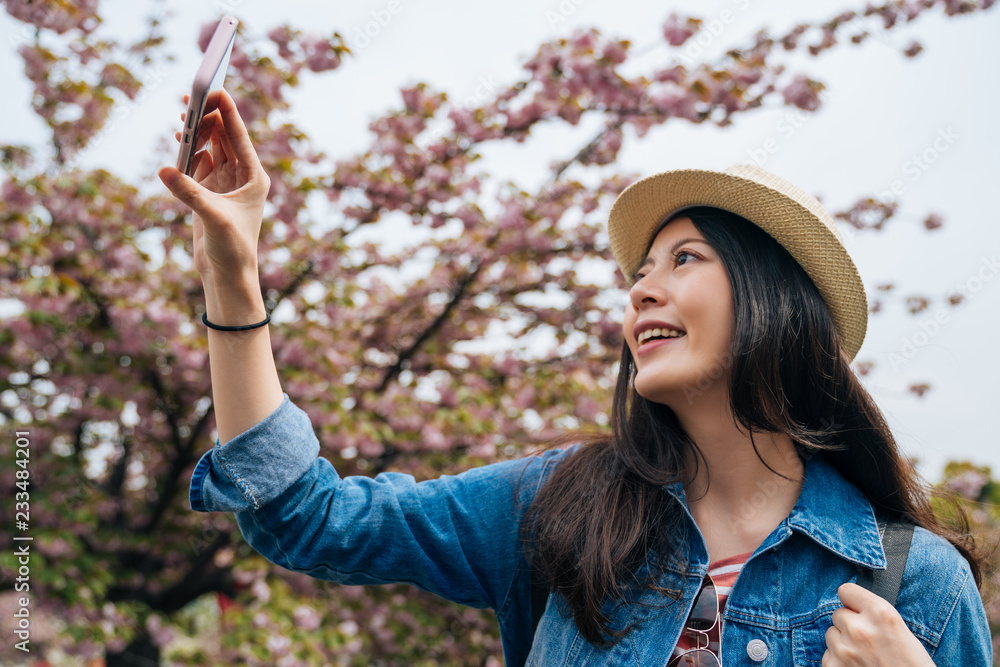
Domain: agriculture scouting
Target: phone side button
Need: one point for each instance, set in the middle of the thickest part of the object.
(187, 138)
(190, 120)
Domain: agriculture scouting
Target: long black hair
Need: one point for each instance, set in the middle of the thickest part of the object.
(603, 510)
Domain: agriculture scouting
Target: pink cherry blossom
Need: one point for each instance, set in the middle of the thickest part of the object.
(677, 31)
(803, 93)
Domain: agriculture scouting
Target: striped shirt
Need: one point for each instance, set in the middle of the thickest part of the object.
(723, 573)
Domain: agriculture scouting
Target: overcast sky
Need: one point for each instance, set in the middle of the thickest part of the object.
(881, 112)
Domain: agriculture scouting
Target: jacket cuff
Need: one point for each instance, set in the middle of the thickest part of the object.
(257, 465)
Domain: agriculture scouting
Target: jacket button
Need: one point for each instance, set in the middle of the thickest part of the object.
(757, 650)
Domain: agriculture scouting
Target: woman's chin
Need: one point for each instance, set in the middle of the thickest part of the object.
(657, 392)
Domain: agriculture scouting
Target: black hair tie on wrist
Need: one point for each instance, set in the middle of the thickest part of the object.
(244, 327)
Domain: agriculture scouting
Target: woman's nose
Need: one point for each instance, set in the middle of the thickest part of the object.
(645, 292)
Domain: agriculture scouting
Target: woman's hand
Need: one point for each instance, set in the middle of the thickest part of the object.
(227, 193)
(868, 632)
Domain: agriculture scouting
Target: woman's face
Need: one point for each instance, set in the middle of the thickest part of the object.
(682, 284)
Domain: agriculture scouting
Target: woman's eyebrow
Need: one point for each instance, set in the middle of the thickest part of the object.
(673, 249)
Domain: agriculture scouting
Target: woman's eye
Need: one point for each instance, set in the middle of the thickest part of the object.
(680, 253)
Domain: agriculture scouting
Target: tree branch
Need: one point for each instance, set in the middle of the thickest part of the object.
(456, 296)
(294, 285)
(195, 583)
(180, 460)
(585, 151)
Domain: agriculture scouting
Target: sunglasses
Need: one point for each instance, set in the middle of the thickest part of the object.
(703, 618)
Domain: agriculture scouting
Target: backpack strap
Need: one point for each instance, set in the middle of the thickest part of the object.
(896, 539)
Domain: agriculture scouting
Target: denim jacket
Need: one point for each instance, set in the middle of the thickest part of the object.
(457, 536)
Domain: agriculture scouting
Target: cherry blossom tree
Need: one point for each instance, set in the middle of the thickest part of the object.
(493, 331)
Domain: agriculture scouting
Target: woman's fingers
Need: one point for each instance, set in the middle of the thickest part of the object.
(204, 165)
(183, 187)
(205, 129)
(219, 155)
(225, 167)
(235, 138)
(225, 145)
(236, 131)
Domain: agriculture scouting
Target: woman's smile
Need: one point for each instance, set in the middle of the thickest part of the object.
(647, 347)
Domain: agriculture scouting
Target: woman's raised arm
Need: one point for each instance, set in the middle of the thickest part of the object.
(227, 195)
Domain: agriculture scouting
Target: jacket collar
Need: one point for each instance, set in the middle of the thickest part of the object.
(836, 515)
(831, 511)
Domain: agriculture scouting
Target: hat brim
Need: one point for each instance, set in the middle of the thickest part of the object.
(792, 217)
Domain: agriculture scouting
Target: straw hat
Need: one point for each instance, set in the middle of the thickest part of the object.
(794, 218)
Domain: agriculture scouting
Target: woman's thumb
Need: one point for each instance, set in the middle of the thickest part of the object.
(183, 187)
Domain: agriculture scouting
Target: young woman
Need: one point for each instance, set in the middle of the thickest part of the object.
(723, 521)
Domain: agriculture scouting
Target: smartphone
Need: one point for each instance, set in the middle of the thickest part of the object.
(210, 76)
